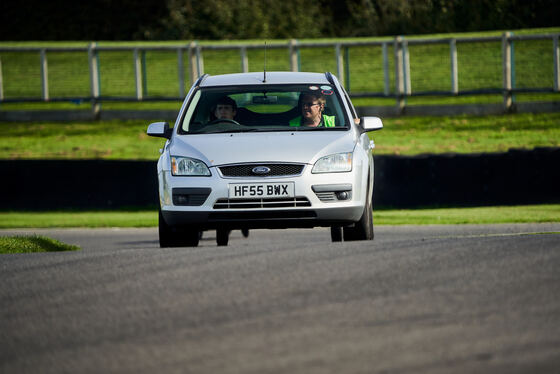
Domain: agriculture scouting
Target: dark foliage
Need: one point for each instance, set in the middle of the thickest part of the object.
(243, 19)
(78, 20)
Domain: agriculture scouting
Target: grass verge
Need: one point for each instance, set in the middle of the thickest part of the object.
(467, 134)
(91, 219)
(475, 215)
(428, 216)
(28, 244)
(127, 140)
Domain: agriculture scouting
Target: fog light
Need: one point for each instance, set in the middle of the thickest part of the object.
(190, 196)
(181, 199)
(342, 195)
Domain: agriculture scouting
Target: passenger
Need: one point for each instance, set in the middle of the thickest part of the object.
(225, 108)
(312, 106)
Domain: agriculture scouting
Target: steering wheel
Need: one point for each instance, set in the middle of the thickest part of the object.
(222, 120)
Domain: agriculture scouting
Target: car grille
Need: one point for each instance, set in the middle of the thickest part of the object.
(276, 170)
(261, 203)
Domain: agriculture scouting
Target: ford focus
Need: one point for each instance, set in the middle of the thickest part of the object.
(265, 150)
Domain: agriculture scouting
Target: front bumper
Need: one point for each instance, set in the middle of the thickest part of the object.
(320, 200)
(266, 218)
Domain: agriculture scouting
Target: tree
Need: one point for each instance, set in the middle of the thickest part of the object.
(263, 19)
(243, 19)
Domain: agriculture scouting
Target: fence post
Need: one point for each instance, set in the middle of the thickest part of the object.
(339, 65)
(386, 89)
(556, 55)
(506, 69)
(294, 55)
(406, 68)
(193, 71)
(93, 59)
(512, 59)
(347, 68)
(138, 74)
(144, 74)
(199, 61)
(44, 76)
(1, 81)
(399, 74)
(181, 71)
(454, 71)
(244, 60)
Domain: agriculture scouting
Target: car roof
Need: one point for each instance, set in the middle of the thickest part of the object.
(273, 77)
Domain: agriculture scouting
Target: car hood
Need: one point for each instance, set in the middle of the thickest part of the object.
(296, 146)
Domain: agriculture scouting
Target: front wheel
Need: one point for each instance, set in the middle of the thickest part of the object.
(336, 234)
(222, 237)
(363, 229)
(171, 236)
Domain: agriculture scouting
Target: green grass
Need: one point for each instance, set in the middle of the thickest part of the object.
(86, 105)
(127, 140)
(69, 43)
(467, 134)
(175, 105)
(428, 216)
(479, 67)
(450, 100)
(92, 219)
(28, 244)
(79, 140)
(475, 215)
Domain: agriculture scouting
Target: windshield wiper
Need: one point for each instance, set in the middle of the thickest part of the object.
(228, 131)
(272, 129)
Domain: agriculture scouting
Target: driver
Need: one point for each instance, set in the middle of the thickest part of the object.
(225, 108)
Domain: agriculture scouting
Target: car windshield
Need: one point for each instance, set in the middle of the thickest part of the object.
(276, 108)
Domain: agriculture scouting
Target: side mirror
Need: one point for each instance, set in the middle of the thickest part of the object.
(160, 130)
(371, 123)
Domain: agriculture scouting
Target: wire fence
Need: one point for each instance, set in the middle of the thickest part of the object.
(397, 68)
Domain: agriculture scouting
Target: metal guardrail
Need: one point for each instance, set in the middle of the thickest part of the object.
(400, 59)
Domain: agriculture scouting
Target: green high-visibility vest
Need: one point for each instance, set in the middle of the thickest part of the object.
(328, 121)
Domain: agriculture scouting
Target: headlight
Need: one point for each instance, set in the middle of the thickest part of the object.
(336, 163)
(188, 166)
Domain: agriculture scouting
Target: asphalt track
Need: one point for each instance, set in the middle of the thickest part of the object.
(431, 299)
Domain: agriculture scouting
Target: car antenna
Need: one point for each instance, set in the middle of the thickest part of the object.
(264, 69)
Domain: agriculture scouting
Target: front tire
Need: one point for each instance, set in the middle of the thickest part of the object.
(336, 234)
(166, 235)
(171, 236)
(222, 237)
(363, 229)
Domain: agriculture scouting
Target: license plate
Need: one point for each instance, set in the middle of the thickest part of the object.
(261, 190)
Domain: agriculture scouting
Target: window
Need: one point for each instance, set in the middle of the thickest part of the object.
(250, 108)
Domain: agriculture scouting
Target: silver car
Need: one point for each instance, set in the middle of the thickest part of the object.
(265, 150)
